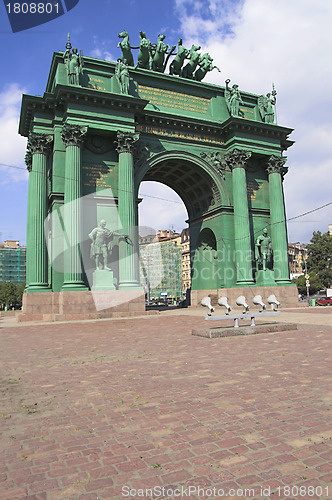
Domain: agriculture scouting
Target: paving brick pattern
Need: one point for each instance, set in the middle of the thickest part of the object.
(91, 408)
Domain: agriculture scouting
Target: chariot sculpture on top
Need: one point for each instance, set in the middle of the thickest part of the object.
(186, 63)
(155, 56)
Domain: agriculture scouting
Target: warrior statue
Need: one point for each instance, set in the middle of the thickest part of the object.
(264, 250)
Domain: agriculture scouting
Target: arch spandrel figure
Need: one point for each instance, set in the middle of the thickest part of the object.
(264, 251)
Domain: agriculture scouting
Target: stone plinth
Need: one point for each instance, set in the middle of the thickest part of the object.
(103, 280)
(71, 305)
(265, 278)
(212, 333)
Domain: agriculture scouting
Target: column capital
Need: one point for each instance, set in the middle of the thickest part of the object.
(126, 141)
(28, 159)
(276, 164)
(38, 143)
(73, 135)
(237, 158)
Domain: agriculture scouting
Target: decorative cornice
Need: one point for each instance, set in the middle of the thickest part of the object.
(237, 158)
(276, 164)
(73, 135)
(126, 141)
(38, 144)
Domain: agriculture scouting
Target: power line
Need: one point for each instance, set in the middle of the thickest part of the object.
(180, 203)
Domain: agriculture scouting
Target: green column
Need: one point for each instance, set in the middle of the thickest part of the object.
(73, 137)
(237, 161)
(39, 146)
(275, 169)
(128, 272)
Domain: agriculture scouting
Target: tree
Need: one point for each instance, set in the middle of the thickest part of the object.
(320, 257)
(315, 284)
(10, 294)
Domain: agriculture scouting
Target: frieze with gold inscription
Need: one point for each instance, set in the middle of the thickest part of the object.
(178, 134)
(174, 100)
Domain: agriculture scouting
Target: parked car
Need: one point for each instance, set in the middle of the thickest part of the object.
(324, 301)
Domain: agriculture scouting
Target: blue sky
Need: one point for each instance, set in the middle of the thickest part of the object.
(254, 42)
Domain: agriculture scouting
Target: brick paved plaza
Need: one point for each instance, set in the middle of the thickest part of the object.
(109, 409)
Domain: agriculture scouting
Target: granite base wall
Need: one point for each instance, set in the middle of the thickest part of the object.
(62, 306)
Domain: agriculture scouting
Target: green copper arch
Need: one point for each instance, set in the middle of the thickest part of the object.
(199, 185)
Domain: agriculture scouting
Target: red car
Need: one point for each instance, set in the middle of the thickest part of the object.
(324, 301)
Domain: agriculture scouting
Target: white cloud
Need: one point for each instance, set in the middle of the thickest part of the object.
(101, 50)
(161, 207)
(12, 145)
(255, 42)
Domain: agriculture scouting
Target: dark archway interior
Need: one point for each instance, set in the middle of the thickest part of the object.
(194, 186)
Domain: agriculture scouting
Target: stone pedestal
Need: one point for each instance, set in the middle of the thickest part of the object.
(103, 280)
(265, 278)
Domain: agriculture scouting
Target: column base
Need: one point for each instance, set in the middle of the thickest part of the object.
(37, 287)
(73, 287)
(245, 283)
(130, 285)
(285, 282)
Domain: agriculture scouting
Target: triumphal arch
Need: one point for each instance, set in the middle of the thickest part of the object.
(103, 127)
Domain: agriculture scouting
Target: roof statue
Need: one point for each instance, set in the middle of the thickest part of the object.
(233, 98)
(205, 65)
(144, 53)
(126, 48)
(159, 52)
(177, 63)
(194, 59)
(155, 57)
(266, 106)
(186, 63)
(74, 63)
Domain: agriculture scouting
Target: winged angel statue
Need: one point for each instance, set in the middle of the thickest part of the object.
(265, 106)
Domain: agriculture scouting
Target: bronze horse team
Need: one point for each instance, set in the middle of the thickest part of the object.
(155, 56)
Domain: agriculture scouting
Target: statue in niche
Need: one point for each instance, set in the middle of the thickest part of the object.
(233, 98)
(102, 244)
(264, 251)
(205, 65)
(122, 75)
(175, 67)
(265, 106)
(74, 63)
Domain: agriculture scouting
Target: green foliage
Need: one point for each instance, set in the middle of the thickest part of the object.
(315, 284)
(11, 294)
(320, 257)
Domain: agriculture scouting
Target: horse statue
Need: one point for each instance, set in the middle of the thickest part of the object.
(144, 53)
(158, 58)
(177, 63)
(126, 48)
(205, 65)
(195, 57)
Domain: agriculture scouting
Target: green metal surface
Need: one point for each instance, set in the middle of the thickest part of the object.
(169, 128)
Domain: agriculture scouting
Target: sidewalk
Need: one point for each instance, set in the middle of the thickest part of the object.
(109, 409)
